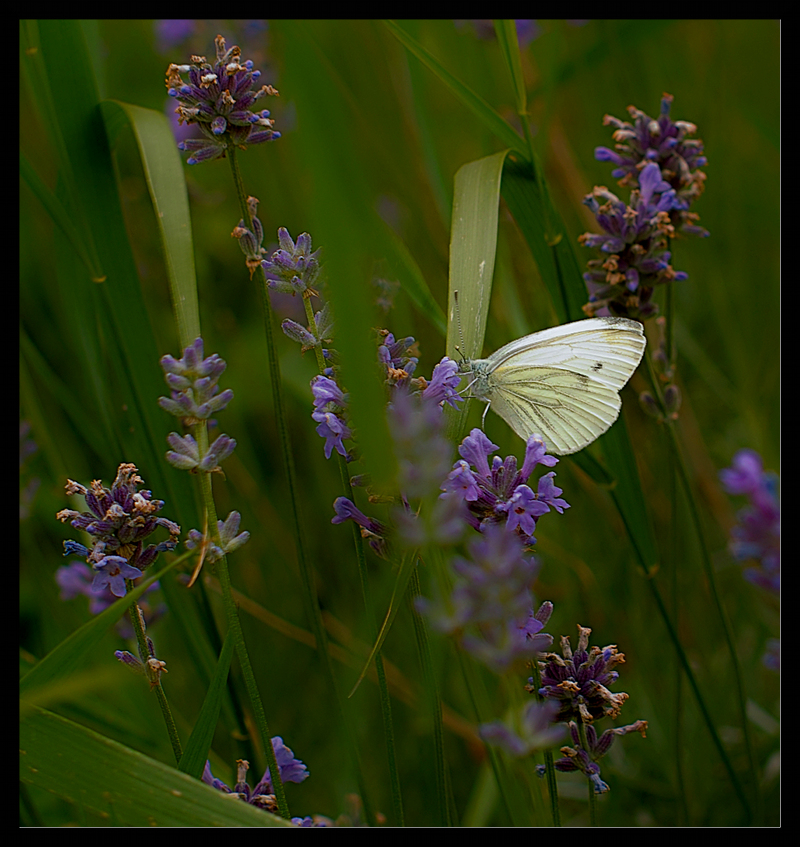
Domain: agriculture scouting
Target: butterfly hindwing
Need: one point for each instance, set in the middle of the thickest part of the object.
(568, 409)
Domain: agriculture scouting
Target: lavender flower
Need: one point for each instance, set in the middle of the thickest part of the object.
(291, 770)
(416, 424)
(423, 453)
(660, 165)
(119, 520)
(636, 239)
(151, 667)
(250, 240)
(329, 407)
(578, 758)
(316, 335)
(218, 98)
(664, 142)
(394, 355)
(195, 397)
(230, 539)
(756, 535)
(578, 682)
(501, 495)
(443, 387)
(536, 731)
(77, 578)
(193, 381)
(371, 529)
(491, 602)
(293, 268)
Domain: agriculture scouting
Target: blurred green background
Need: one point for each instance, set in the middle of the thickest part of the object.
(354, 101)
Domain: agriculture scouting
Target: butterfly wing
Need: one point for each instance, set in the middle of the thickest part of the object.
(569, 410)
(563, 383)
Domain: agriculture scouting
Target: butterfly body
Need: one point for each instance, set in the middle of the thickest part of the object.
(561, 383)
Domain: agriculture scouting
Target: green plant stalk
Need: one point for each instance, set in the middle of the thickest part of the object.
(721, 611)
(235, 626)
(676, 643)
(592, 795)
(383, 687)
(549, 762)
(434, 701)
(309, 593)
(144, 654)
(358, 545)
(678, 463)
(669, 346)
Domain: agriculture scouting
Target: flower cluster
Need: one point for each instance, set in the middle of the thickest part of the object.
(195, 398)
(635, 238)
(584, 759)
(662, 141)
(152, 667)
(316, 335)
(219, 99)
(536, 730)
(757, 533)
(416, 425)
(578, 683)
(292, 268)
(756, 537)
(500, 494)
(250, 240)
(491, 602)
(329, 407)
(119, 520)
(396, 356)
(230, 539)
(291, 770)
(660, 165)
(374, 531)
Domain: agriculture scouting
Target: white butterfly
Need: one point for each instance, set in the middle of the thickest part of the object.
(561, 383)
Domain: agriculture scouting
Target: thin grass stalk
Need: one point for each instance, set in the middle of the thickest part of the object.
(434, 701)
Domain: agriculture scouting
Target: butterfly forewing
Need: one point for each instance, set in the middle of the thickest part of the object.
(605, 349)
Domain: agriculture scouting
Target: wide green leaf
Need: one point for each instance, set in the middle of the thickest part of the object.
(121, 786)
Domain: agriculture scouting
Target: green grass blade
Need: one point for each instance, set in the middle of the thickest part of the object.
(500, 127)
(163, 171)
(196, 750)
(473, 246)
(121, 786)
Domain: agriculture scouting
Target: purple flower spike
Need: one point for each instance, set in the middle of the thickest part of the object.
(374, 531)
(119, 520)
(218, 98)
(501, 494)
(756, 535)
(660, 166)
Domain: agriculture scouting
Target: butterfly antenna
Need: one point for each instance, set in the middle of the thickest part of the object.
(459, 348)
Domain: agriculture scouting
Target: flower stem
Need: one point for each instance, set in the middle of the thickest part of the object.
(144, 655)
